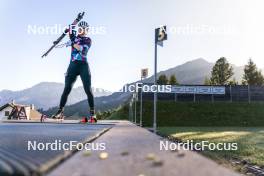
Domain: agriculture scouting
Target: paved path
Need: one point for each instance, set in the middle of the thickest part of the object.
(134, 151)
(15, 158)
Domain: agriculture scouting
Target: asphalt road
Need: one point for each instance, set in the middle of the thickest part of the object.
(16, 159)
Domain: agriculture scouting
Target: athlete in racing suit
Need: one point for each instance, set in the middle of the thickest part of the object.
(80, 45)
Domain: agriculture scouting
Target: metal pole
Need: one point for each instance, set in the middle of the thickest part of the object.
(135, 108)
(141, 104)
(155, 93)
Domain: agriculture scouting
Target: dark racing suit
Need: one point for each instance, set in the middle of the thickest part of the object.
(79, 66)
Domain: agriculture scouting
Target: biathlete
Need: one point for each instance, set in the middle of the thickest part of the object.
(80, 44)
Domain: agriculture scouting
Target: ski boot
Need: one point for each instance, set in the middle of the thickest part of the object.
(84, 120)
(92, 119)
(58, 114)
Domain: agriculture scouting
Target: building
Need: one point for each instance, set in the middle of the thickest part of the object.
(13, 111)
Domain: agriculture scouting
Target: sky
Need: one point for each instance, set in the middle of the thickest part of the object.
(123, 41)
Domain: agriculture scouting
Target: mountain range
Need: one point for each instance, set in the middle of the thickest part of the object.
(194, 72)
(47, 94)
(102, 104)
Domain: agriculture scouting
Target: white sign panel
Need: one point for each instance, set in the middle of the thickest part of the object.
(198, 89)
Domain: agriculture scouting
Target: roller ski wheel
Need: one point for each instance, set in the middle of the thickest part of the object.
(84, 120)
(92, 119)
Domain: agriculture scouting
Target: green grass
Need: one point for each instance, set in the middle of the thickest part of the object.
(250, 141)
(238, 122)
(208, 114)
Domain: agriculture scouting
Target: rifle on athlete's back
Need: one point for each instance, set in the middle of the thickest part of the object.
(79, 17)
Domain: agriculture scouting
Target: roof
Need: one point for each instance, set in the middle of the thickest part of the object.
(6, 105)
(12, 105)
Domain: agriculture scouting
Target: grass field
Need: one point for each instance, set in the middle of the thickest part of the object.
(250, 141)
(236, 122)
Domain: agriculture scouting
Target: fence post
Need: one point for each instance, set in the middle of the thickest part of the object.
(212, 98)
(131, 110)
(175, 97)
(194, 98)
(230, 91)
(141, 106)
(249, 96)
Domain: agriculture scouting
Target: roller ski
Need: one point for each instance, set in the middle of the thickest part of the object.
(58, 115)
(92, 118)
(56, 118)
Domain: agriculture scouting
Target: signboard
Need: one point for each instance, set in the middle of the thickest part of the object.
(144, 73)
(198, 90)
(161, 35)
